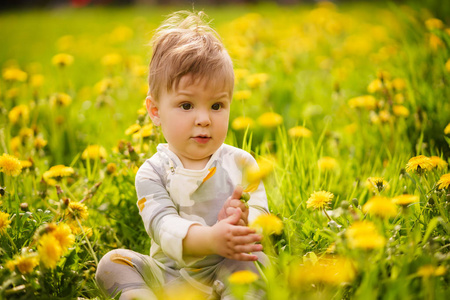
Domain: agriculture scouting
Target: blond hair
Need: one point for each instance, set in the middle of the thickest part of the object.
(185, 44)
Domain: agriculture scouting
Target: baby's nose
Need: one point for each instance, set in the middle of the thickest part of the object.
(203, 119)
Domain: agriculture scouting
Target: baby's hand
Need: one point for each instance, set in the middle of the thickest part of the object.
(234, 203)
(233, 241)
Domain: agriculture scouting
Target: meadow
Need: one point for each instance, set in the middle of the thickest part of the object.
(345, 107)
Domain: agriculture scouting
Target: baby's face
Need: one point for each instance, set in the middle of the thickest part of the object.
(194, 119)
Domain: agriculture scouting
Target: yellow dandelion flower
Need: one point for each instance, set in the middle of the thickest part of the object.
(78, 211)
(435, 42)
(49, 250)
(25, 264)
(400, 111)
(430, 270)
(10, 165)
(242, 95)
(405, 199)
(299, 132)
(255, 173)
(37, 80)
(268, 224)
(434, 23)
(374, 86)
(383, 75)
(111, 59)
(447, 129)
(399, 84)
(438, 162)
(443, 182)
(26, 164)
(4, 222)
(327, 163)
(243, 277)
(419, 164)
(270, 120)
(58, 172)
(242, 123)
(240, 74)
(14, 74)
(376, 184)
(60, 99)
(77, 230)
(62, 60)
(94, 152)
(380, 206)
(39, 142)
(19, 112)
(319, 200)
(132, 129)
(331, 271)
(145, 131)
(121, 34)
(111, 168)
(447, 65)
(256, 80)
(64, 236)
(368, 102)
(399, 98)
(364, 235)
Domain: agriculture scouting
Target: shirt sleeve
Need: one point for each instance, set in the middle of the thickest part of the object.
(160, 215)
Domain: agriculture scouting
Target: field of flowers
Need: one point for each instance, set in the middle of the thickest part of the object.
(346, 109)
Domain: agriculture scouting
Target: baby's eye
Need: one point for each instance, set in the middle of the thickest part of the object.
(186, 106)
(216, 106)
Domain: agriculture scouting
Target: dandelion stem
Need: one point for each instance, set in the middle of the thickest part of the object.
(263, 276)
(12, 241)
(326, 214)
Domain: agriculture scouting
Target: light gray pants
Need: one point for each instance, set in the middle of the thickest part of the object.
(139, 276)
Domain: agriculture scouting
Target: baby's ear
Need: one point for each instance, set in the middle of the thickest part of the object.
(152, 109)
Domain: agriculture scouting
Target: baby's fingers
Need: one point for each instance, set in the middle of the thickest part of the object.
(244, 257)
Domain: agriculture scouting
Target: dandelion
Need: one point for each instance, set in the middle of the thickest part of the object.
(242, 95)
(78, 211)
(58, 172)
(399, 98)
(319, 200)
(243, 277)
(19, 112)
(327, 163)
(380, 206)
(256, 80)
(26, 164)
(399, 84)
(14, 74)
(132, 129)
(25, 264)
(62, 60)
(400, 111)
(438, 162)
(10, 165)
(268, 224)
(240, 74)
(4, 222)
(447, 66)
(377, 184)
(368, 102)
(49, 250)
(435, 42)
(430, 270)
(270, 120)
(434, 23)
(242, 123)
(94, 152)
(111, 59)
(255, 173)
(39, 143)
(447, 129)
(332, 271)
(444, 182)
(419, 164)
(145, 131)
(405, 199)
(364, 235)
(121, 34)
(299, 132)
(37, 80)
(111, 168)
(64, 236)
(374, 86)
(60, 99)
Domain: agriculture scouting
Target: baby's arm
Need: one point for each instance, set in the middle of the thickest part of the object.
(225, 238)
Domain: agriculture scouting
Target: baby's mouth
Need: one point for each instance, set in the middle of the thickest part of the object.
(201, 139)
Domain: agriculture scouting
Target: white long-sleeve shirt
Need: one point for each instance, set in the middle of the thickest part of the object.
(172, 198)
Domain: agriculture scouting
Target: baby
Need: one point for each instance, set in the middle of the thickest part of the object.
(189, 191)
